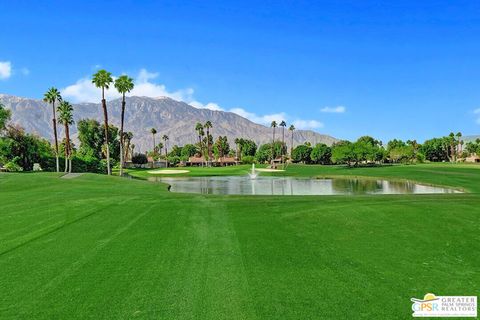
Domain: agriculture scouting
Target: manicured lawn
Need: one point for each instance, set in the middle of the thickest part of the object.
(109, 248)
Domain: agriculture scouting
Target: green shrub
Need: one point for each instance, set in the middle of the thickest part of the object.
(12, 166)
(420, 157)
(89, 164)
(248, 159)
(139, 158)
(173, 160)
(301, 154)
(49, 163)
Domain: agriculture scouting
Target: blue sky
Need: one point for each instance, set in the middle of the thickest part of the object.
(406, 69)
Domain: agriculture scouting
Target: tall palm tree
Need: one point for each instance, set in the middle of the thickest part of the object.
(165, 139)
(199, 129)
(123, 84)
(237, 143)
(153, 131)
(459, 143)
(65, 117)
(208, 126)
(52, 96)
(292, 128)
(102, 79)
(451, 137)
(283, 124)
(273, 125)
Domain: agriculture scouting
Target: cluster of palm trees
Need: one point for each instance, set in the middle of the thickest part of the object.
(157, 148)
(52, 96)
(454, 145)
(282, 124)
(102, 79)
(205, 139)
(65, 117)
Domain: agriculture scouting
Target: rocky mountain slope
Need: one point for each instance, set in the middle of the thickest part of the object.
(173, 118)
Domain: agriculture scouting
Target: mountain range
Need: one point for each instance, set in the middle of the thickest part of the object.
(173, 118)
(472, 138)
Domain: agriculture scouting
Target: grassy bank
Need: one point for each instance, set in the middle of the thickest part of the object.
(105, 247)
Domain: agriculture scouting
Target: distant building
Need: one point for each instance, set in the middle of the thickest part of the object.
(196, 161)
(473, 158)
(150, 164)
(222, 161)
(226, 161)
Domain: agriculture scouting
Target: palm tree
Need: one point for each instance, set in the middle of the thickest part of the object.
(273, 125)
(153, 131)
(102, 79)
(208, 126)
(459, 143)
(237, 143)
(200, 132)
(415, 147)
(65, 117)
(451, 137)
(165, 139)
(292, 128)
(123, 85)
(51, 96)
(128, 136)
(160, 147)
(283, 124)
(132, 152)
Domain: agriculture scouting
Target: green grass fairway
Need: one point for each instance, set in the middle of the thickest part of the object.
(98, 247)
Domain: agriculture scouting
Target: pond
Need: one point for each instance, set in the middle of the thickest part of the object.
(238, 185)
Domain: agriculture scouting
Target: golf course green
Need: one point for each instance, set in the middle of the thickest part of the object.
(105, 247)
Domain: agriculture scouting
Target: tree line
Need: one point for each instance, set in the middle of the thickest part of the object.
(367, 150)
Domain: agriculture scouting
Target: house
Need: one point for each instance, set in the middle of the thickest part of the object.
(222, 161)
(149, 165)
(473, 158)
(275, 163)
(195, 161)
(226, 161)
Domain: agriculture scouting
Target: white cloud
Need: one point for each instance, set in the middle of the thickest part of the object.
(211, 106)
(262, 119)
(278, 117)
(307, 124)
(338, 109)
(84, 91)
(5, 69)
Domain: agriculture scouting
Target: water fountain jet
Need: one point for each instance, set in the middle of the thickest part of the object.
(253, 174)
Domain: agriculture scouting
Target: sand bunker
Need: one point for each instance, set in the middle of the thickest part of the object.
(269, 170)
(168, 171)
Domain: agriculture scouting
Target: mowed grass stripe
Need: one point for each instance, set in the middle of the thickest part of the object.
(361, 251)
(61, 255)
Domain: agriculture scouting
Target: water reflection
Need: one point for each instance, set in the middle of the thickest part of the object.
(294, 186)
